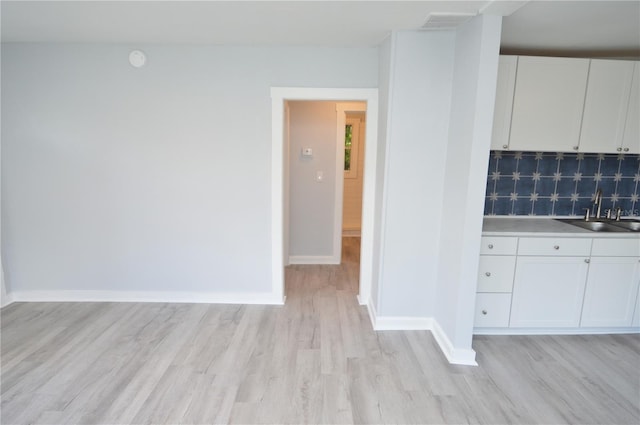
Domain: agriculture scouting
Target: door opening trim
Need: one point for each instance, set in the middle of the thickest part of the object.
(278, 155)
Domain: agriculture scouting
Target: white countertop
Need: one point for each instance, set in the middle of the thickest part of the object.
(533, 226)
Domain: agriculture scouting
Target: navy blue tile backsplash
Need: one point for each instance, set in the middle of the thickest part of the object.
(560, 184)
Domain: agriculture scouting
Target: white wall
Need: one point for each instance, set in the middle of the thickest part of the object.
(416, 140)
(312, 125)
(151, 179)
(474, 87)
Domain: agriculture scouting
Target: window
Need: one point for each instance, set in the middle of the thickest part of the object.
(348, 134)
(351, 147)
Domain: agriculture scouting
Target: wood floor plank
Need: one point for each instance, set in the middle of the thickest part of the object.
(314, 360)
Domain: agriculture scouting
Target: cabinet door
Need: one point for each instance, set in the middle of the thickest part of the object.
(631, 138)
(504, 102)
(548, 103)
(548, 292)
(612, 288)
(492, 310)
(605, 106)
(495, 273)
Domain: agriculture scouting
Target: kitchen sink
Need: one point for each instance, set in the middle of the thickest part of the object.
(633, 225)
(602, 226)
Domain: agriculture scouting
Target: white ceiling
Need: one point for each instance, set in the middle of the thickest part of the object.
(609, 28)
(556, 26)
(322, 23)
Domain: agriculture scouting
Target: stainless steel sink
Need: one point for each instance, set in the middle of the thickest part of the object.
(597, 226)
(633, 225)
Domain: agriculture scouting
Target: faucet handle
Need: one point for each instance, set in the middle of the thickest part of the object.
(618, 213)
(608, 213)
(587, 214)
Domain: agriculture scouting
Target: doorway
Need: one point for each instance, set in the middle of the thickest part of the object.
(354, 147)
(280, 152)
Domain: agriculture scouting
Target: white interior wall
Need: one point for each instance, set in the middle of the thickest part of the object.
(416, 143)
(151, 179)
(312, 203)
(474, 88)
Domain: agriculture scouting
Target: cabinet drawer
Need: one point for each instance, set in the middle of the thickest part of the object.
(498, 246)
(616, 247)
(556, 247)
(495, 273)
(492, 310)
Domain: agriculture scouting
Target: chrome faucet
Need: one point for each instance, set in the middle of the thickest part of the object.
(597, 202)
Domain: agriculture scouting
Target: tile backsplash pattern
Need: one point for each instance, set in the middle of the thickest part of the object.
(560, 184)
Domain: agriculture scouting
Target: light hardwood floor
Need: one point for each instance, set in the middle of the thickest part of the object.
(314, 360)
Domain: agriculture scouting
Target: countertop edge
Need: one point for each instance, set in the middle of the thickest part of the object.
(544, 227)
(605, 235)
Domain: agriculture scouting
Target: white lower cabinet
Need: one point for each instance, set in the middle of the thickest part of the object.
(611, 293)
(492, 310)
(563, 283)
(495, 281)
(548, 292)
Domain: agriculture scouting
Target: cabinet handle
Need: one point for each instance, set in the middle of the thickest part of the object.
(490, 246)
(626, 149)
(619, 149)
(487, 274)
(575, 148)
(586, 260)
(556, 247)
(505, 146)
(484, 312)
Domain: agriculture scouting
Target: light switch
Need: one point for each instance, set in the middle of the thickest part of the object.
(308, 152)
(319, 176)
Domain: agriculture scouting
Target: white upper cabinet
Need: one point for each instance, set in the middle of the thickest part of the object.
(631, 138)
(605, 107)
(504, 102)
(548, 103)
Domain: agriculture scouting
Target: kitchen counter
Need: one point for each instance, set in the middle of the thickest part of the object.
(533, 226)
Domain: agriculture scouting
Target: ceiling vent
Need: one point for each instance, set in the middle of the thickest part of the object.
(443, 21)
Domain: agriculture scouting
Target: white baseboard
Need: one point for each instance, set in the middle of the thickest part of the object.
(371, 309)
(398, 323)
(555, 331)
(313, 259)
(6, 300)
(462, 356)
(453, 355)
(146, 297)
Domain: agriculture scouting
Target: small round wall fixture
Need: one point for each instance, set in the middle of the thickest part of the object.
(137, 58)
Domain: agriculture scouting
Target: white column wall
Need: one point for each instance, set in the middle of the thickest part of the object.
(473, 97)
(416, 140)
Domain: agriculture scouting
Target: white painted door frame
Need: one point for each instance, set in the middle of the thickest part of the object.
(278, 156)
